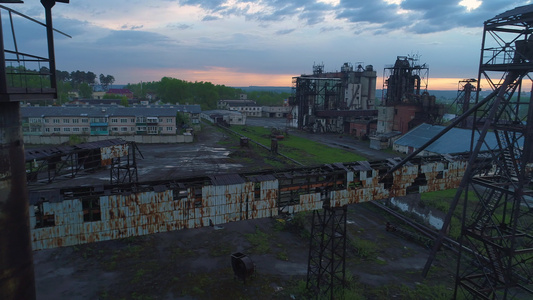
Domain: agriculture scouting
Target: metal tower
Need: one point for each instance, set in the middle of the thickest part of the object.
(465, 95)
(326, 268)
(498, 229)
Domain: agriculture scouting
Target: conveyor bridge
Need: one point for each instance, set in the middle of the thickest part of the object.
(78, 215)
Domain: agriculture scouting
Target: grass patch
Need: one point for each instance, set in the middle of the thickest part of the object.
(300, 149)
(364, 249)
(260, 241)
(441, 201)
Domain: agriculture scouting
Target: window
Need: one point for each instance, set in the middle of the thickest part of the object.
(84, 129)
(114, 120)
(91, 209)
(46, 121)
(132, 128)
(66, 121)
(123, 120)
(170, 128)
(57, 129)
(56, 121)
(85, 120)
(160, 120)
(114, 128)
(76, 129)
(42, 217)
(132, 120)
(66, 129)
(47, 129)
(123, 128)
(169, 120)
(152, 129)
(75, 121)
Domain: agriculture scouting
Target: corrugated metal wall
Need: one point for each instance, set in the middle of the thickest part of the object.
(106, 217)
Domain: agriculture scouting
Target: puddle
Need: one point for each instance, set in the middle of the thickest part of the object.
(433, 218)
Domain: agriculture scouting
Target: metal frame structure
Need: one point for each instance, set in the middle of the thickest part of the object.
(17, 280)
(500, 228)
(465, 96)
(44, 165)
(313, 94)
(326, 266)
(404, 80)
(124, 168)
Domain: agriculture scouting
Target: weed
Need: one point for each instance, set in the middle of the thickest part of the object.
(260, 241)
(364, 249)
(138, 276)
(282, 255)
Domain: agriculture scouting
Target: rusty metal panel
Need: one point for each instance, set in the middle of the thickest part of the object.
(151, 212)
(115, 151)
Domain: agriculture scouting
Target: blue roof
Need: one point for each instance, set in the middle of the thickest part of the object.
(457, 140)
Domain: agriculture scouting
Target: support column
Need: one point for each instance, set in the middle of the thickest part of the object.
(16, 276)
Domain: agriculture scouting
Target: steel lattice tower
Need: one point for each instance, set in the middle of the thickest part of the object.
(498, 227)
(326, 268)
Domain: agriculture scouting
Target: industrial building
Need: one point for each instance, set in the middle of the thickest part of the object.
(245, 106)
(332, 101)
(405, 102)
(225, 117)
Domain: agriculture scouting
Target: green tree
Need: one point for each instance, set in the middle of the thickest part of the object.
(111, 96)
(63, 88)
(85, 90)
(124, 101)
(106, 81)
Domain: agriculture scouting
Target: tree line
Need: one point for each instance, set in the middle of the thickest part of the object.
(206, 94)
(168, 89)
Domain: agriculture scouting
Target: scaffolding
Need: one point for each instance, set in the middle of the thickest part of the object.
(499, 227)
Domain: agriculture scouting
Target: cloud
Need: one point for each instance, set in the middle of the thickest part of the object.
(330, 28)
(131, 27)
(180, 26)
(125, 38)
(210, 18)
(284, 31)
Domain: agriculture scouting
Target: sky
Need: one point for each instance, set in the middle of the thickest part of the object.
(257, 43)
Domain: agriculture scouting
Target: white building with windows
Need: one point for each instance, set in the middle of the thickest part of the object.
(105, 120)
(247, 107)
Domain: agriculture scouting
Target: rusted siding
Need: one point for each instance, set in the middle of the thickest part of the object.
(108, 153)
(92, 218)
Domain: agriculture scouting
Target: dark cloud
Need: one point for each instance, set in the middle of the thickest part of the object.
(180, 26)
(210, 18)
(331, 28)
(418, 16)
(131, 27)
(284, 31)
